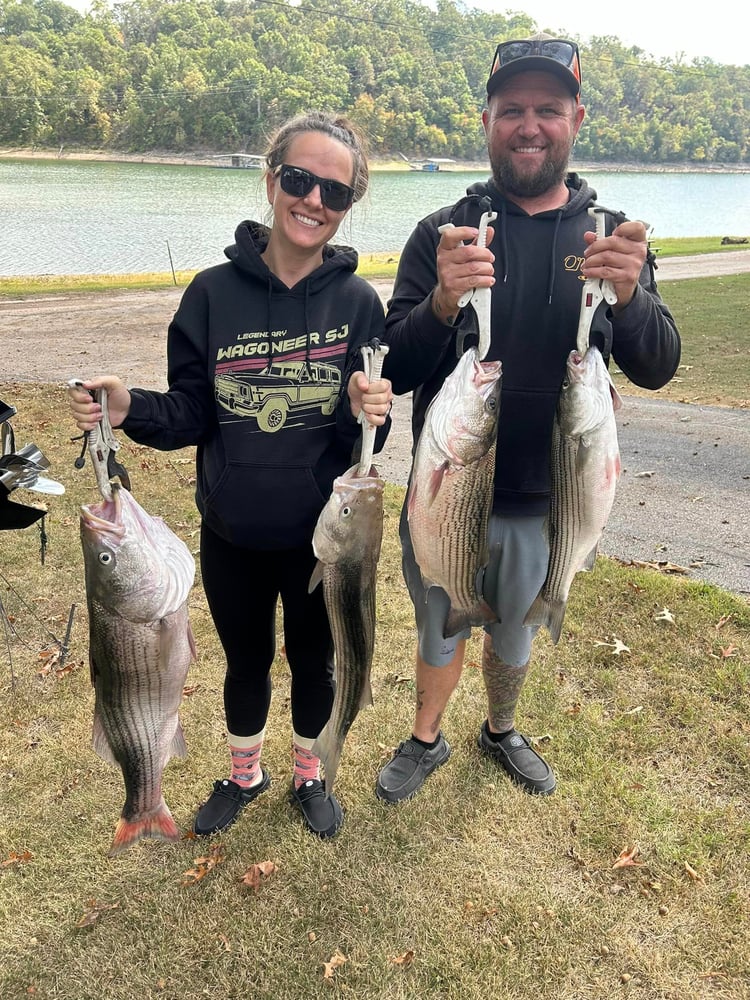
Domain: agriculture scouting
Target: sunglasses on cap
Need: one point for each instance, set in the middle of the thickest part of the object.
(557, 49)
(298, 182)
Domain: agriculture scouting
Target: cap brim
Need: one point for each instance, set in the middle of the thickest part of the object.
(531, 64)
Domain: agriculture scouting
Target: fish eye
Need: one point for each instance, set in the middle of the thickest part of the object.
(105, 558)
(346, 511)
(492, 403)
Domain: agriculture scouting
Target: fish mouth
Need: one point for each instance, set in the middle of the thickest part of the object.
(485, 376)
(105, 517)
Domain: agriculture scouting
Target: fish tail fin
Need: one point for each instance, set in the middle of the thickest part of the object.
(549, 613)
(158, 823)
(328, 748)
(460, 619)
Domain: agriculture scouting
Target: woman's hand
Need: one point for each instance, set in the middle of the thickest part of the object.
(371, 398)
(87, 412)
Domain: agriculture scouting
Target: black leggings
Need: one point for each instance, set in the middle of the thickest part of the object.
(242, 587)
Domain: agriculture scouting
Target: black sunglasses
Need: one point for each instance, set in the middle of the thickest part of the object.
(298, 182)
(563, 52)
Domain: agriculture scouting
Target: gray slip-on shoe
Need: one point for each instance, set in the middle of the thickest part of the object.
(409, 768)
(518, 758)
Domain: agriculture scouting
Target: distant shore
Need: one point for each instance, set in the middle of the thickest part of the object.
(207, 159)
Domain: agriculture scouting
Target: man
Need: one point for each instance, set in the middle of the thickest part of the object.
(538, 253)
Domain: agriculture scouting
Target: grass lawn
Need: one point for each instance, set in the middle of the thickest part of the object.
(471, 890)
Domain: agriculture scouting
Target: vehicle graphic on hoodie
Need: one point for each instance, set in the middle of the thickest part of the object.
(280, 388)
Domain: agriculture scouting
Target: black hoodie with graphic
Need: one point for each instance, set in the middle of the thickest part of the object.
(536, 303)
(257, 378)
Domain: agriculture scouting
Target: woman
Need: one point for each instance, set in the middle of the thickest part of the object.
(262, 359)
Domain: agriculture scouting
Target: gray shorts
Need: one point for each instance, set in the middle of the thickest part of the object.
(519, 554)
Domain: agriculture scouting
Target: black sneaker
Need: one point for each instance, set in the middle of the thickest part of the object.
(225, 803)
(323, 816)
(515, 755)
(409, 768)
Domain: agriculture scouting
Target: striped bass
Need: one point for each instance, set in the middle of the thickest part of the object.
(347, 543)
(585, 467)
(451, 488)
(138, 577)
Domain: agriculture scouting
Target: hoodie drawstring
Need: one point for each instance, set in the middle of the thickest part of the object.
(504, 241)
(553, 257)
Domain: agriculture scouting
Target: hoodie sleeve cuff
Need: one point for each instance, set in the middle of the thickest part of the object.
(630, 320)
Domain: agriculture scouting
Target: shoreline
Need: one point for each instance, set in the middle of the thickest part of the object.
(206, 159)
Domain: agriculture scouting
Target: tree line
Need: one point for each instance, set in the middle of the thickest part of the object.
(220, 75)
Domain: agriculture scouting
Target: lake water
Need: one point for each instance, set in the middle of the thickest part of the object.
(65, 217)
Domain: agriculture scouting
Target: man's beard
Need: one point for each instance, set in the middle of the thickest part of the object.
(512, 183)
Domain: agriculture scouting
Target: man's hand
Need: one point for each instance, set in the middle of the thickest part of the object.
(618, 258)
(461, 267)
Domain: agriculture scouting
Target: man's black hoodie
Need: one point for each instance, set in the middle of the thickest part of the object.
(257, 380)
(535, 308)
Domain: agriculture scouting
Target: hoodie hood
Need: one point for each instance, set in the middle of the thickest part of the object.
(580, 196)
(485, 195)
(251, 240)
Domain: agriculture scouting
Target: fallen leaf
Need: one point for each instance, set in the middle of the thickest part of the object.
(627, 857)
(50, 658)
(187, 691)
(724, 620)
(226, 942)
(665, 615)
(93, 911)
(694, 875)
(256, 873)
(617, 647)
(14, 858)
(329, 967)
(204, 865)
(727, 651)
(634, 711)
(661, 567)
(406, 959)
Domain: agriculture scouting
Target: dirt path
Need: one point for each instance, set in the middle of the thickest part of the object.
(682, 497)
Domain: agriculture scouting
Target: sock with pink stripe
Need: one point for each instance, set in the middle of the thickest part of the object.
(245, 754)
(306, 764)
